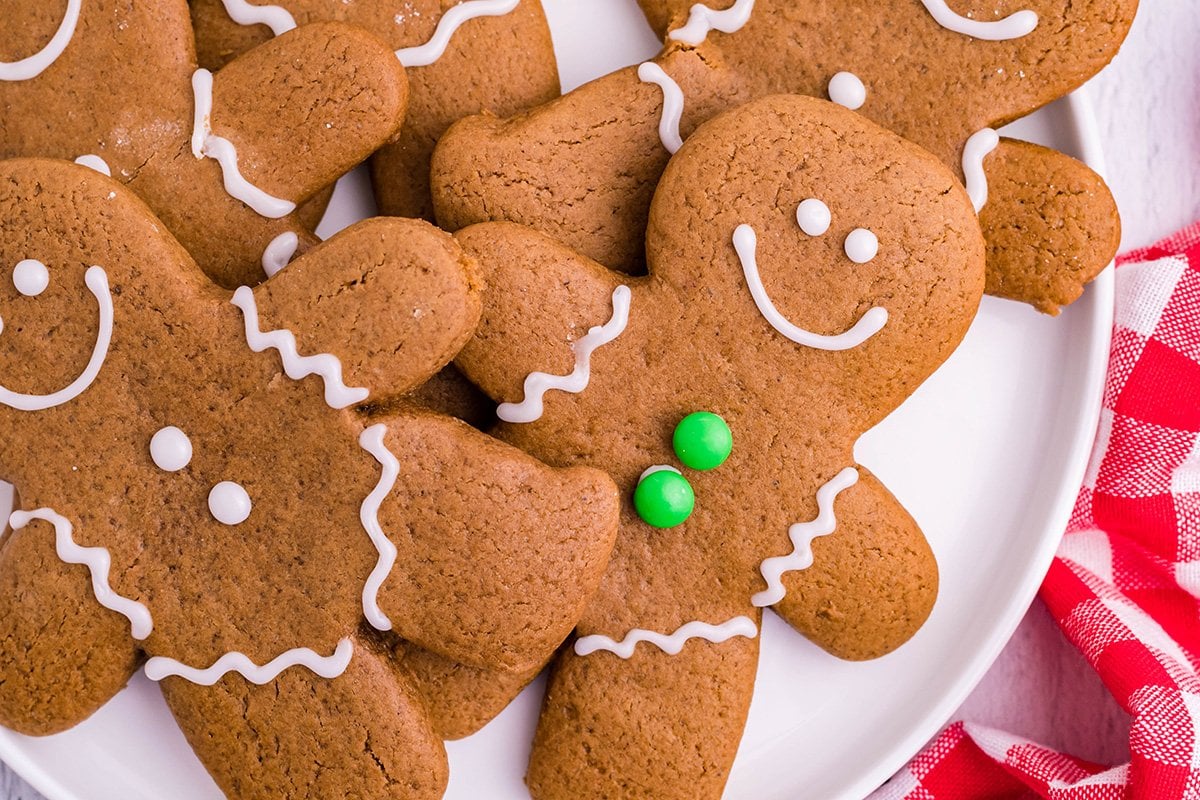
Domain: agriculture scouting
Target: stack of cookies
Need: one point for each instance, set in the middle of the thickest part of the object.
(585, 396)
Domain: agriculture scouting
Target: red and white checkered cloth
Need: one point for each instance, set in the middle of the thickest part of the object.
(1125, 583)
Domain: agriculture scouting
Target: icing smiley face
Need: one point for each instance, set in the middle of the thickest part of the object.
(31, 278)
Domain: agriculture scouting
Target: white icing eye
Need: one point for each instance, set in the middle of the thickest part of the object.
(847, 90)
(861, 245)
(813, 216)
(229, 503)
(31, 277)
(171, 449)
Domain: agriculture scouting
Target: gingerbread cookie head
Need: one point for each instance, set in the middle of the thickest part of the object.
(224, 160)
(229, 486)
(462, 57)
(807, 270)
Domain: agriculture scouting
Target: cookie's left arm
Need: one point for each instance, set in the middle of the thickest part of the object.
(393, 300)
(1050, 222)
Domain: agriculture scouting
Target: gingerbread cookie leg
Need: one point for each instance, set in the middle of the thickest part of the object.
(460, 699)
(362, 734)
(66, 654)
(543, 562)
(869, 587)
(1041, 205)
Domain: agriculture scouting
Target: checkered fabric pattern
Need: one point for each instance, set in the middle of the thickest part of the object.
(1125, 583)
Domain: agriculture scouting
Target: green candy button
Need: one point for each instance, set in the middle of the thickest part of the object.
(664, 498)
(702, 440)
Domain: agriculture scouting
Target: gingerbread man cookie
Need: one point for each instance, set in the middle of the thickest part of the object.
(223, 159)
(225, 489)
(807, 271)
(942, 77)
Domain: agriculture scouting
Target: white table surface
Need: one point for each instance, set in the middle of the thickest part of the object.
(1148, 108)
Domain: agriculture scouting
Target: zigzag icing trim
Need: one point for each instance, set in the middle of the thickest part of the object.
(802, 535)
(326, 365)
(99, 563)
(332, 666)
(426, 54)
(671, 644)
(371, 440)
(538, 383)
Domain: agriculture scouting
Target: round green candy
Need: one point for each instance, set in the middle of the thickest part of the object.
(664, 498)
(702, 440)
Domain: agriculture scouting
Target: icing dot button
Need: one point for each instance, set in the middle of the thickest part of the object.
(861, 246)
(813, 216)
(171, 449)
(31, 277)
(702, 440)
(663, 497)
(846, 89)
(229, 503)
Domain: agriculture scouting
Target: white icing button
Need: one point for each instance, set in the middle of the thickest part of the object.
(846, 89)
(229, 503)
(861, 245)
(31, 277)
(171, 449)
(813, 216)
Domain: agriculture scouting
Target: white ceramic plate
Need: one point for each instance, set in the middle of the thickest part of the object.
(988, 456)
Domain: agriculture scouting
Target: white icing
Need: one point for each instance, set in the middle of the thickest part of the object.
(657, 468)
(206, 144)
(329, 667)
(1014, 26)
(94, 162)
(274, 17)
(668, 124)
(371, 440)
(279, 252)
(538, 383)
(702, 20)
(670, 644)
(170, 449)
(846, 89)
(99, 564)
(35, 64)
(229, 503)
(31, 277)
(813, 217)
(802, 535)
(861, 245)
(326, 365)
(976, 150)
(746, 243)
(97, 281)
(426, 54)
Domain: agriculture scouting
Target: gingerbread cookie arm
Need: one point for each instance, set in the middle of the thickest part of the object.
(495, 553)
(269, 132)
(362, 734)
(535, 341)
(1050, 222)
(869, 586)
(461, 699)
(65, 655)
(390, 301)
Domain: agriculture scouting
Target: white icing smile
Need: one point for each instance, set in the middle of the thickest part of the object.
(746, 243)
(97, 281)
